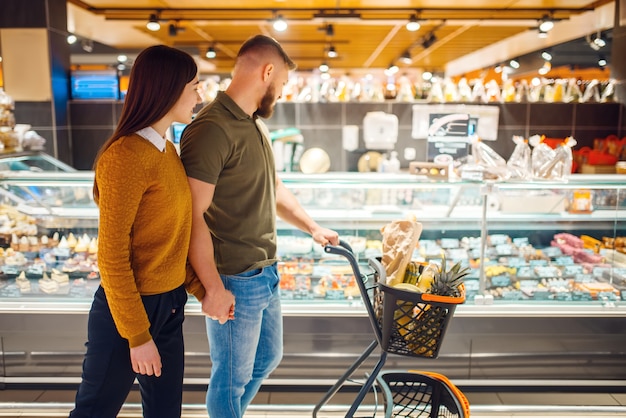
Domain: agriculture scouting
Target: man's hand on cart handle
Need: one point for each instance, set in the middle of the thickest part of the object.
(325, 236)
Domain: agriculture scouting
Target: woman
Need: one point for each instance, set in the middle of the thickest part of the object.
(135, 322)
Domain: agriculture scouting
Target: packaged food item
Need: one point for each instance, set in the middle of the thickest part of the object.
(551, 164)
(519, 162)
(582, 201)
(493, 164)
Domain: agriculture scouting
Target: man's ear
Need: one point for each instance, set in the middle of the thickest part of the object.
(267, 71)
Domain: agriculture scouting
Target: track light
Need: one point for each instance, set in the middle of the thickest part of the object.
(280, 24)
(413, 25)
(87, 45)
(602, 62)
(153, 23)
(514, 63)
(392, 69)
(330, 30)
(545, 69)
(210, 53)
(546, 24)
(429, 40)
(172, 29)
(71, 39)
(332, 52)
(597, 43)
(546, 55)
(405, 58)
(324, 67)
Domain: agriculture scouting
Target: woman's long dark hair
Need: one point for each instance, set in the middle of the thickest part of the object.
(157, 80)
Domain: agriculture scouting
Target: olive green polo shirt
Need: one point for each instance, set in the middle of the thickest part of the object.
(224, 147)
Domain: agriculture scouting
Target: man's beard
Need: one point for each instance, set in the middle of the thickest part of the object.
(266, 107)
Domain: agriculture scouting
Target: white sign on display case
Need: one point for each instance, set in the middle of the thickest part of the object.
(485, 115)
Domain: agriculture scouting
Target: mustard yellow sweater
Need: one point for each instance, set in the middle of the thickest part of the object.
(144, 230)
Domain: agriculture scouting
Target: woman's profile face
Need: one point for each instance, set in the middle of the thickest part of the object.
(182, 111)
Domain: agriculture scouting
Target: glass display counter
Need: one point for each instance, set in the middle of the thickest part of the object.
(538, 241)
(544, 303)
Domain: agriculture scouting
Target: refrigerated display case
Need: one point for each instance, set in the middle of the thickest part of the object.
(543, 303)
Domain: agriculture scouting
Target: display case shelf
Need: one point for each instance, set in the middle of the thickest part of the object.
(458, 217)
(43, 334)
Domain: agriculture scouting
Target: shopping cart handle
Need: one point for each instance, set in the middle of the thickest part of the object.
(342, 249)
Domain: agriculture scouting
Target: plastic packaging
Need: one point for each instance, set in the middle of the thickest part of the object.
(494, 166)
(519, 162)
(541, 157)
(551, 164)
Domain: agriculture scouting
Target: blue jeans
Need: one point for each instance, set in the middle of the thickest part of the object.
(245, 350)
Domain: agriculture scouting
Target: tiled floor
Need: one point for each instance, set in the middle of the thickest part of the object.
(57, 403)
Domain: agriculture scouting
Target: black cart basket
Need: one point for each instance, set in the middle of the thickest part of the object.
(408, 324)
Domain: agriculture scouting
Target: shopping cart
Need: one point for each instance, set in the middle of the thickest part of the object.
(404, 323)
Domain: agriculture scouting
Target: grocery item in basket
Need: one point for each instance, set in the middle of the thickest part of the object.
(399, 240)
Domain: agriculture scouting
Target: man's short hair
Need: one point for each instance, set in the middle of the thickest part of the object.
(265, 43)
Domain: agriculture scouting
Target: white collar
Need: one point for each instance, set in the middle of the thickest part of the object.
(153, 136)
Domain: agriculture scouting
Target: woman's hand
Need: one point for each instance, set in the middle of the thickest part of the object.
(145, 359)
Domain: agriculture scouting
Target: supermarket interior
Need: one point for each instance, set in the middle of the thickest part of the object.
(495, 146)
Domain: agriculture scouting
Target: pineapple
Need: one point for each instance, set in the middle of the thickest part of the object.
(446, 283)
(420, 325)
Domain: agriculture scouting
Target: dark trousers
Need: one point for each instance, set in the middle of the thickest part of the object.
(107, 371)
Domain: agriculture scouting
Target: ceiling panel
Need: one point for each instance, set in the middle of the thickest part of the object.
(374, 40)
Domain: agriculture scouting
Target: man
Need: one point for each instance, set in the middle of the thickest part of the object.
(236, 196)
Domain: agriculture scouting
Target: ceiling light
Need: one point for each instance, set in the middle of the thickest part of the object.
(406, 58)
(429, 40)
(280, 24)
(546, 24)
(172, 29)
(324, 67)
(545, 69)
(413, 25)
(87, 45)
(122, 58)
(599, 42)
(330, 30)
(546, 55)
(71, 39)
(153, 23)
(391, 70)
(514, 63)
(332, 52)
(427, 75)
(602, 61)
(210, 53)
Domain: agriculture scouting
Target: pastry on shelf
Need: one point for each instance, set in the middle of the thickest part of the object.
(22, 283)
(60, 277)
(47, 285)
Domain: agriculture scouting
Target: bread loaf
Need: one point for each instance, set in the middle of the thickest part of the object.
(399, 240)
